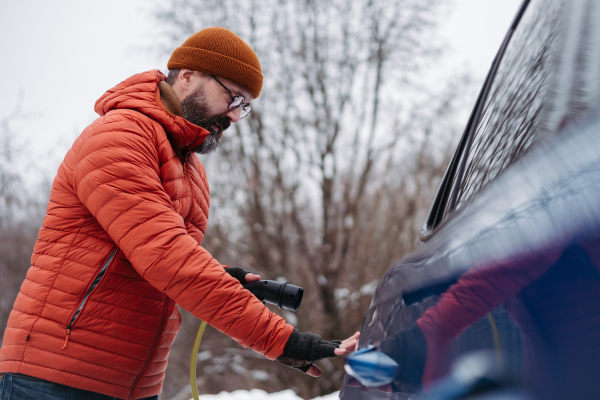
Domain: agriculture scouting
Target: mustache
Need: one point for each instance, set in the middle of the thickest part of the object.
(211, 143)
(221, 121)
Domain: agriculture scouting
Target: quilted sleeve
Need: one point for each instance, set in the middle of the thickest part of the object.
(117, 179)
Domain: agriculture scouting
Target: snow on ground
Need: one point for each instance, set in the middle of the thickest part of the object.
(256, 394)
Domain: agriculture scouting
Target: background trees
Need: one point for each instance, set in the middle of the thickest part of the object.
(327, 181)
(21, 213)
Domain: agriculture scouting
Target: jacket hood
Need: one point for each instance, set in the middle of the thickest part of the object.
(140, 93)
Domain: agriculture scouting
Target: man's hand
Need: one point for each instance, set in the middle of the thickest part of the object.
(242, 275)
(347, 346)
(250, 277)
(303, 349)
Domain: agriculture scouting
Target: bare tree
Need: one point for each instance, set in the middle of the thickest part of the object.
(327, 182)
(21, 213)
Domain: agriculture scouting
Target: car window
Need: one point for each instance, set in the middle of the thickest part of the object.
(512, 114)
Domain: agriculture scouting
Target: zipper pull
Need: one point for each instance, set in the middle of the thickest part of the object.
(66, 338)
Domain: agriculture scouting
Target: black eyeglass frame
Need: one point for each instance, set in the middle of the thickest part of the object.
(234, 98)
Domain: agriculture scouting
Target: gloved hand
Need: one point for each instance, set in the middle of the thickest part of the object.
(242, 275)
(408, 348)
(303, 349)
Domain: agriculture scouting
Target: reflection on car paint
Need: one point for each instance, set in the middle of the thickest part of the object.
(524, 230)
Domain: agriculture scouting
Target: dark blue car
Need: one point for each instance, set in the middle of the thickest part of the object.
(501, 296)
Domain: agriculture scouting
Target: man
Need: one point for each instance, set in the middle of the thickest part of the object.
(120, 244)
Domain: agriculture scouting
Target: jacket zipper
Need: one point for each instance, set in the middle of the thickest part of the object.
(184, 161)
(152, 349)
(83, 301)
(185, 175)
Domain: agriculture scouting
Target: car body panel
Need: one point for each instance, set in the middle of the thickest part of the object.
(518, 205)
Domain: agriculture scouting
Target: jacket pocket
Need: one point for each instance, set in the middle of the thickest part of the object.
(88, 292)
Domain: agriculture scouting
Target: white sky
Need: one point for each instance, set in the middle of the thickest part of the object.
(58, 57)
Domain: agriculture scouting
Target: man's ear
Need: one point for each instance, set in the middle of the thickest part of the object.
(186, 78)
(185, 83)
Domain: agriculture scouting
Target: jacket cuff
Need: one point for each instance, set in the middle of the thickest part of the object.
(277, 349)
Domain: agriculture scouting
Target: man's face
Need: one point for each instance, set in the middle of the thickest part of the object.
(196, 109)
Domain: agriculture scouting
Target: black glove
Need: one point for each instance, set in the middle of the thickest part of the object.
(409, 349)
(238, 273)
(302, 349)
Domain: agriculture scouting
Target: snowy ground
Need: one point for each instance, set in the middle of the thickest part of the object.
(256, 394)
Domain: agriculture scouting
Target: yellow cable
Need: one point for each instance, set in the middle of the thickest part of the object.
(496, 336)
(195, 360)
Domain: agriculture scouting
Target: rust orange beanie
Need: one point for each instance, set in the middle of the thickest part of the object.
(220, 52)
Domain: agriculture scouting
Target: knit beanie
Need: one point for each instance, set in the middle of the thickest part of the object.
(218, 51)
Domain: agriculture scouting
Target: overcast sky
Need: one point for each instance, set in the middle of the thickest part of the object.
(58, 57)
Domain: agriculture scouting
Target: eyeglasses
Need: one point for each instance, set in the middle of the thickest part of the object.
(236, 101)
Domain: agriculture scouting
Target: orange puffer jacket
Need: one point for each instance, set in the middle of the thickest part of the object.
(119, 247)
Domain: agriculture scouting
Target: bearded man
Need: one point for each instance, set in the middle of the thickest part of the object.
(120, 244)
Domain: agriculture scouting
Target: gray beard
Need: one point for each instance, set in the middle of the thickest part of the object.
(196, 110)
(210, 144)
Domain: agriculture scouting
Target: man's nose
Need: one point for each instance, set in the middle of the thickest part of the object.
(234, 115)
